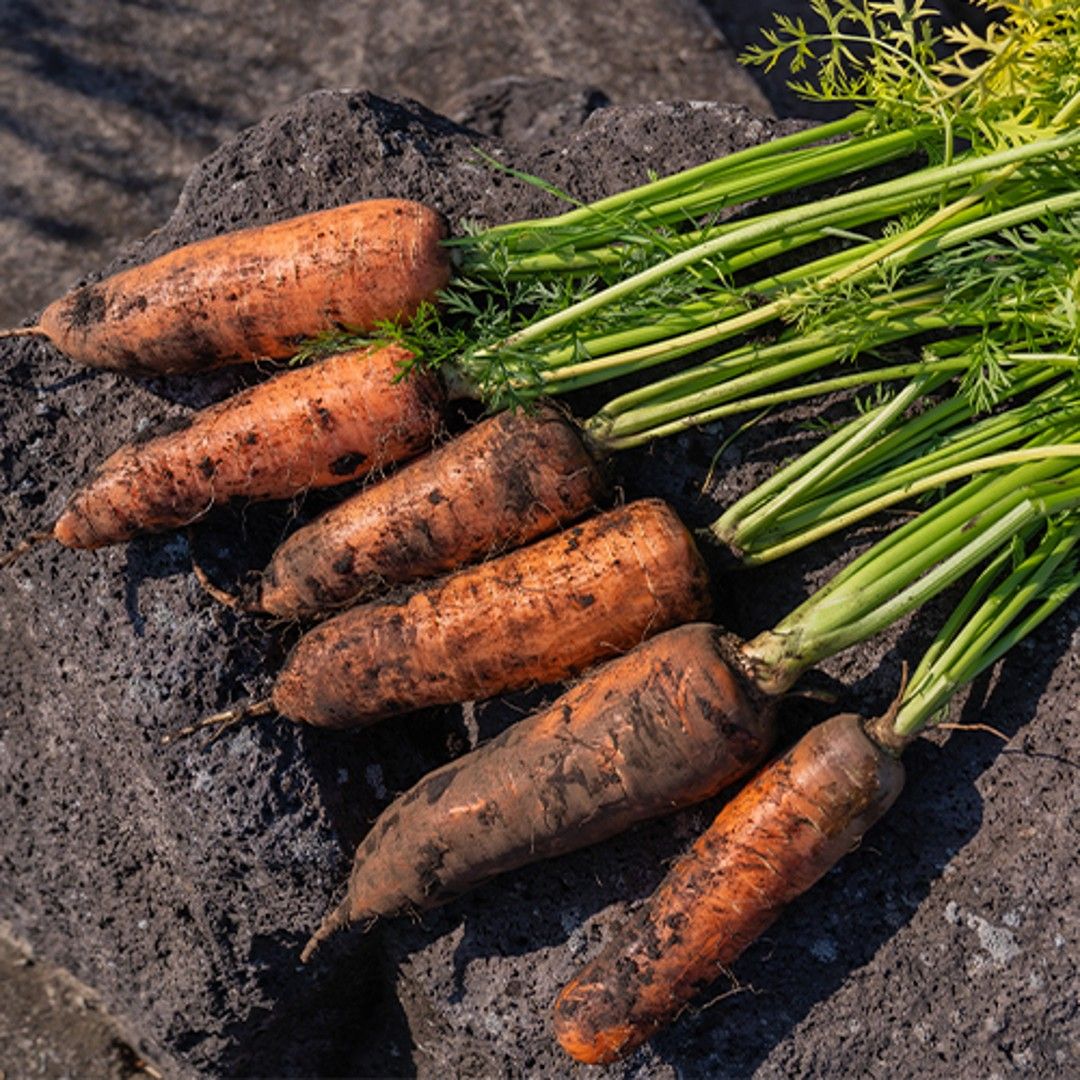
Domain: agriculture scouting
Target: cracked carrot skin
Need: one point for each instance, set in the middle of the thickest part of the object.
(785, 830)
(667, 725)
(507, 480)
(536, 615)
(257, 292)
(311, 427)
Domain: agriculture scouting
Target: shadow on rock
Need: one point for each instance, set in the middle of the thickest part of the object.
(336, 1017)
(32, 31)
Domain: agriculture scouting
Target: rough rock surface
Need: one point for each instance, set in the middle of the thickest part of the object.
(180, 882)
(38, 1003)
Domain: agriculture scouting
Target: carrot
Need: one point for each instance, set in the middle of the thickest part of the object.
(536, 615)
(669, 724)
(311, 427)
(775, 839)
(256, 293)
(506, 481)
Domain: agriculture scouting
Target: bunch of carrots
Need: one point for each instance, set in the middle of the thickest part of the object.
(507, 581)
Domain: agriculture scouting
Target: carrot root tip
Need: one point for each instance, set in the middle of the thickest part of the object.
(221, 720)
(23, 546)
(228, 599)
(336, 920)
(23, 331)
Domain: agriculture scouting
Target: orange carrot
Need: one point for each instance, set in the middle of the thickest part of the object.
(307, 428)
(506, 481)
(669, 724)
(257, 292)
(536, 615)
(775, 839)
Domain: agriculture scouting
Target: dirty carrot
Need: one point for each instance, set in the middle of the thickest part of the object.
(536, 615)
(778, 836)
(312, 427)
(508, 480)
(255, 293)
(263, 291)
(669, 724)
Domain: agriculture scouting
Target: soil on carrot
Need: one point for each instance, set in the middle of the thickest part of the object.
(181, 883)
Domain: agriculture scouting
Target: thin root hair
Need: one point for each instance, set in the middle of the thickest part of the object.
(221, 720)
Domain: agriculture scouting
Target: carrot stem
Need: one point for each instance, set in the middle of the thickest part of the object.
(911, 566)
(869, 432)
(647, 194)
(734, 401)
(576, 252)
(692, 410)
(776, 519)
(915, 185)
(991, 462)
(995, 613)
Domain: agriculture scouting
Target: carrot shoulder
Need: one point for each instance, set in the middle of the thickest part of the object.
(667, 725)
(257, 292)
(506, 481)
(536, 615)
(311, 427)
(774, 840)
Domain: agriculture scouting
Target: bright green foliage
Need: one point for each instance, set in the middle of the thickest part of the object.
(1001, 88)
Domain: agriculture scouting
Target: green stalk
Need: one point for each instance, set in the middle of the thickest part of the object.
(744, 372)
(963, 231)
(910, 490)
(867, 432)
(672, 329)
(906, 570)
(907, 245)
(954, 518)
(934, 425)
(579, 260)
(992, 617)
(709, 173)
(904, 304)
(827, 163)
(750, 403)
(978, 443)
(746, 517)
(915, 185)
(770, 522)
(723, 324)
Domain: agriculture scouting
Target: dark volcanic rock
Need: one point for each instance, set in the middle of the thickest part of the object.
(180, 882)
(524, 110)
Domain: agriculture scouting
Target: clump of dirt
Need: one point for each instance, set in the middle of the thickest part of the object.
(180, 883)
